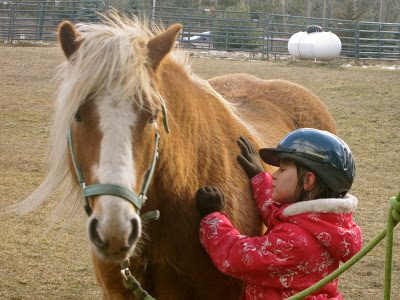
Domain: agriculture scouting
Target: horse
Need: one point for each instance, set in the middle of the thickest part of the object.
(147, 132)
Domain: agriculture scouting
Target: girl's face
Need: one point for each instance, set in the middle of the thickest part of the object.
(285, 183)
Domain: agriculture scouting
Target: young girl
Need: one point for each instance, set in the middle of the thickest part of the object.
(306, 209)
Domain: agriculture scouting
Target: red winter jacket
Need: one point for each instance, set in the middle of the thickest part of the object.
(304, 242)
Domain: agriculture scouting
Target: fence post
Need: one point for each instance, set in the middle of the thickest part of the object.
(263, 35)
(357, 42)
(266, 29)
(73, 12)
(12, 22)
(189, 30)
(380, 40)
(398, 43)
(212, 25)
(226, 35)
(40, 20)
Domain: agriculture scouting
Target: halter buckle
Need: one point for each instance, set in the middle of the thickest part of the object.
(126, 273)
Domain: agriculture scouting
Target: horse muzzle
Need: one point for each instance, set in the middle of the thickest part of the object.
(114, 239)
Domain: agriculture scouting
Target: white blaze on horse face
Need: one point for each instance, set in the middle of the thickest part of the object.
(117, 218)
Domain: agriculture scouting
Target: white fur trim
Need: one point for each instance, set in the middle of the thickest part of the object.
(332, 205)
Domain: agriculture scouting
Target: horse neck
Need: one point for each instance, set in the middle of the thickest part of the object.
(198, 150)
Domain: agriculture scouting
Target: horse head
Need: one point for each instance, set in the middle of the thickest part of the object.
(108, 88)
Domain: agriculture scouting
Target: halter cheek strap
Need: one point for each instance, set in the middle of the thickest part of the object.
(114, 189)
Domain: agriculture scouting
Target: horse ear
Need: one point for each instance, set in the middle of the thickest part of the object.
(161, 45)
(67, 36)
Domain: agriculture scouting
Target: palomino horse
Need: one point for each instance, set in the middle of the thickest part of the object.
(118, 82)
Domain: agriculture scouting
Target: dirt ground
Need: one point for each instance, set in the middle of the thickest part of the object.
(41, 263)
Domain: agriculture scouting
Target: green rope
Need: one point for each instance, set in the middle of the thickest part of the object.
(131, 284)
(393, 219)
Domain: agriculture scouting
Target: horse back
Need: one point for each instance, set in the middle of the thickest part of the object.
(273, 107)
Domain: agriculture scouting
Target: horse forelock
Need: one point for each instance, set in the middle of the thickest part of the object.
(111, 57)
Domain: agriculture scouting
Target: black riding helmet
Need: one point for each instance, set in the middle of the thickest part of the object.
(321, 152)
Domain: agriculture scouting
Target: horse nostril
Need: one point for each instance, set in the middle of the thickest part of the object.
(94, 235)
(134, 233)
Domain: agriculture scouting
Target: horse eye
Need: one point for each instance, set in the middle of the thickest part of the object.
(78, 117)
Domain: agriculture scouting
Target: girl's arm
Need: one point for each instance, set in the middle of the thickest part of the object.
(261, 182)
(251, 259)
(262, 191)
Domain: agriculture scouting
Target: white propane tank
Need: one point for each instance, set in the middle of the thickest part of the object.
(314, 44)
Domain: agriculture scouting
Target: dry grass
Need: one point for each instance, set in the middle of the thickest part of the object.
(56, 265)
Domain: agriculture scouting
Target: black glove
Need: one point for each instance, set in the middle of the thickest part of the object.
(248, 158)
(209, 199)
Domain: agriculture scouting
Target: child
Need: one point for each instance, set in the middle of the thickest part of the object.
(306, 209)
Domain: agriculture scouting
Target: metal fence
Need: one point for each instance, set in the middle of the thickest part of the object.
(253, 32)
(31, 20)
(215, 29)
(360, 40)
(269, 34)
(281, 28)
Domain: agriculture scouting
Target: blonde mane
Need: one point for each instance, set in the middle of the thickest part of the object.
(111, 57)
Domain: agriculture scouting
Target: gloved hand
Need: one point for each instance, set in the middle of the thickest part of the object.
(209, 199)
(248, 158)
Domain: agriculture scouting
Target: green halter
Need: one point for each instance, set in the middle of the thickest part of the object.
(118, 190)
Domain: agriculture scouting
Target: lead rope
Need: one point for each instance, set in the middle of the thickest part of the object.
(392, 220)
(131, 284)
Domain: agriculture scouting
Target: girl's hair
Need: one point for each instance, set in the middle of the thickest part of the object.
(320, 189)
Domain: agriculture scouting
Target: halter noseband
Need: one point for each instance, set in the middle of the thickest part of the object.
(118, 190)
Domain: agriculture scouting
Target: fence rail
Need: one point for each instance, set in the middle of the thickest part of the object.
(269, 34)
(31, 20)
(253, 32)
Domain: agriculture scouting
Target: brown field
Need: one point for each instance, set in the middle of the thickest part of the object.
(41, 263)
